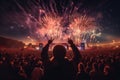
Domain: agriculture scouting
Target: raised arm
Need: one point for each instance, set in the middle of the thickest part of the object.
(44, 53)
(76, 52)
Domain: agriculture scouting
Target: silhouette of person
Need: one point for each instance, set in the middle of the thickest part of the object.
(82, 75)
(60, 68)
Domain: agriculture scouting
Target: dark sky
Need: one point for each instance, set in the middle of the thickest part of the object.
(10, 13)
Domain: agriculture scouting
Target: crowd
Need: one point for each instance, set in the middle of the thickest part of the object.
(101, 65)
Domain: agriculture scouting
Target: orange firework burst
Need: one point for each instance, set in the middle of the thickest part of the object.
(60, 21)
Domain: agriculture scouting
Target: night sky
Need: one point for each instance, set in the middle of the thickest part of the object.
(12, 18)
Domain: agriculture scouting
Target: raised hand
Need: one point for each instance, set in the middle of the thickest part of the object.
(70, 41)
(50, 41)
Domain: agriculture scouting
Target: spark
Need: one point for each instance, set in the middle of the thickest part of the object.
(61, 24)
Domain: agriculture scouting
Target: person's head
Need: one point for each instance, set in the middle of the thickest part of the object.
(94, 66)
(81, 67)
(106, 70)
(59, 52)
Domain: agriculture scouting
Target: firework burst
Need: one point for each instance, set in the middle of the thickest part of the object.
(61, 20)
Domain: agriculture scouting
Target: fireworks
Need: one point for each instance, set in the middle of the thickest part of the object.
(61, 21)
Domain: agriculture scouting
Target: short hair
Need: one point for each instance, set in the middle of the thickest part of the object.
(59, 51)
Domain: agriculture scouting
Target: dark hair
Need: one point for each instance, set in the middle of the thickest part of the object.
(59, 51)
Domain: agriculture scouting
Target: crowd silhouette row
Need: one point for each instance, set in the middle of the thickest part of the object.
(95, 66)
